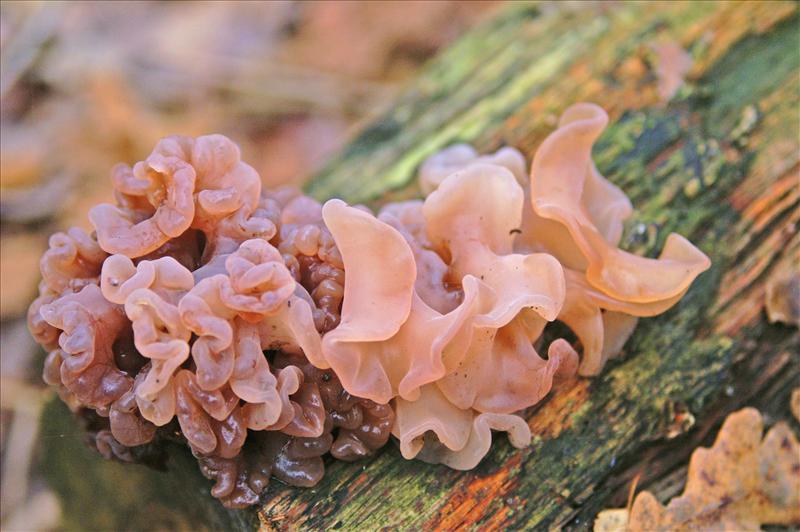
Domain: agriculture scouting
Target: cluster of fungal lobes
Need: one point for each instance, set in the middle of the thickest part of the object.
(265, 329)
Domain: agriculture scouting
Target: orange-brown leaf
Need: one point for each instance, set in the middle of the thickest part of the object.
(740, 483)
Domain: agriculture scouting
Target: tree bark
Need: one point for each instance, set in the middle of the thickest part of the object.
(717, 164)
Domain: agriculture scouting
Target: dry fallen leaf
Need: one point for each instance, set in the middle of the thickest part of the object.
(783, 299)
(739, 484)
(615, 520)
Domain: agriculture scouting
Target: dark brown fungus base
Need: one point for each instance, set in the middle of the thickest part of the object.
(353, 428)
(361, 426)
(239, 481)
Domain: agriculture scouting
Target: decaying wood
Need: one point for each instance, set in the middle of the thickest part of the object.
(718, 164)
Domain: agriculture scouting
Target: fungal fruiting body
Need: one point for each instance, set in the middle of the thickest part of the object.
(265, 329)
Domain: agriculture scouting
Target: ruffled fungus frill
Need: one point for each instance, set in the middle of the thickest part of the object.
(477, 357)
(89, 326)
(457, 157)
(199, 183)
(435, 430)
(161, 320)
(155, 197)
(265, 329)
(577, 217)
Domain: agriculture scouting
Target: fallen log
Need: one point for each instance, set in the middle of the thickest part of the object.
(718, 164)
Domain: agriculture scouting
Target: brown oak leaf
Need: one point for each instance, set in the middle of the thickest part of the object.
(740, 483)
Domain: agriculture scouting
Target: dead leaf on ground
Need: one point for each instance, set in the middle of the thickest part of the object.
(740, 483)
(611, 520)
(783, 299)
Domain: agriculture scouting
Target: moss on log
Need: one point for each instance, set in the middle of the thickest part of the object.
(718, 164)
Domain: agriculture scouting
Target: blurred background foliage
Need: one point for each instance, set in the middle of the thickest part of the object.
(84, 85)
